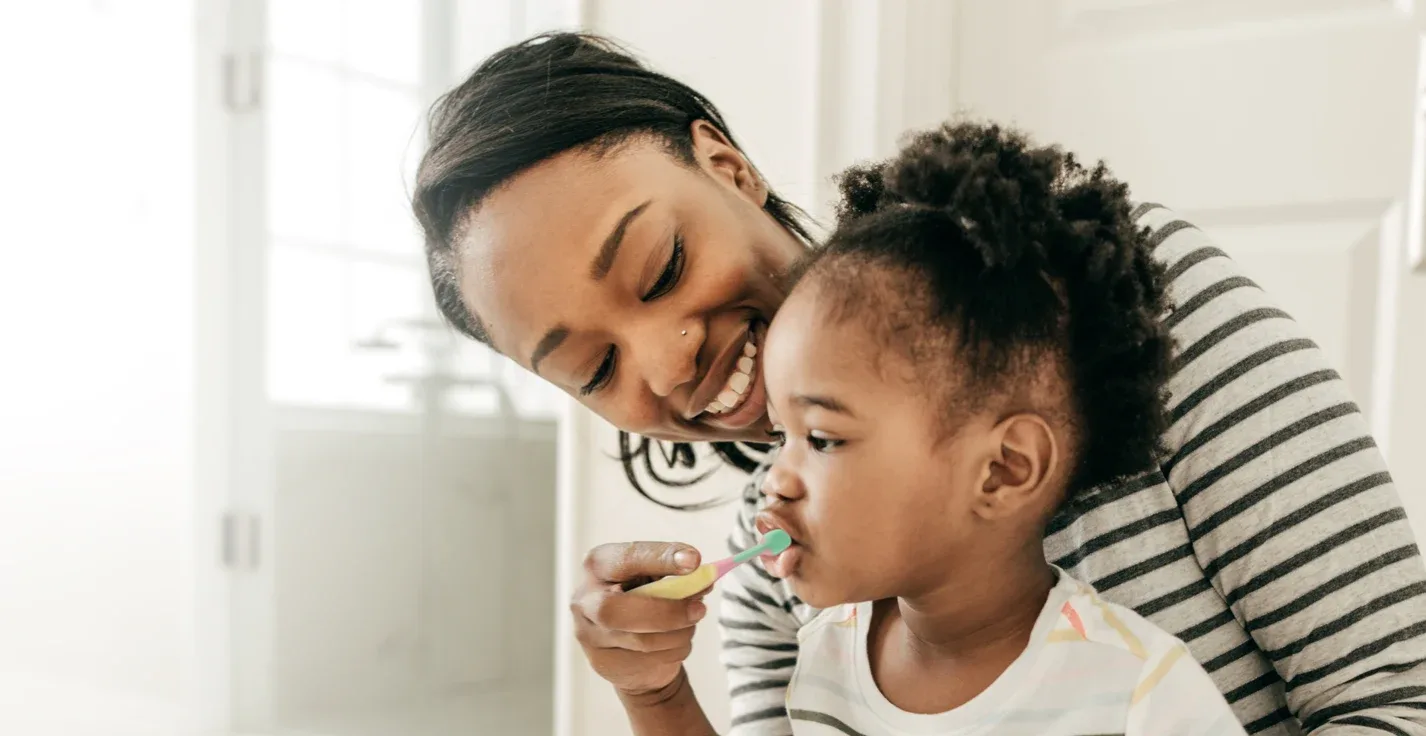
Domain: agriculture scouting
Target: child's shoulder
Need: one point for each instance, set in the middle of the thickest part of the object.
(1086, 618)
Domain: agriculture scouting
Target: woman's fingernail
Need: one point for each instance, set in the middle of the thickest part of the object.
(686, 560)
(696, 611)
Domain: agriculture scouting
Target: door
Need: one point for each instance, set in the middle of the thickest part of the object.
(1281, 127)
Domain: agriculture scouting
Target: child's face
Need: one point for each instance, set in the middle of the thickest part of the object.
(877, 495)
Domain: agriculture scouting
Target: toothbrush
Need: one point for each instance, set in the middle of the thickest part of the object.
(678, 587)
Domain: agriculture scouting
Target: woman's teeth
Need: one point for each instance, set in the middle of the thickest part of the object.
(733, 393)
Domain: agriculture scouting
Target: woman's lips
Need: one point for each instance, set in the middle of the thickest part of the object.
(751, 411)
(752, 406)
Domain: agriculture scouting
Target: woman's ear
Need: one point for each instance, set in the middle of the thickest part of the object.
(1021, 463)
(717, 156)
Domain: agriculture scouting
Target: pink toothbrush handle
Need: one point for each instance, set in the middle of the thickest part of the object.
(724, 566)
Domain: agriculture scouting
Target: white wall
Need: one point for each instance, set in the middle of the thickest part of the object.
(1407, 436)
(96, 380)
(1408, 431)
(755, 61)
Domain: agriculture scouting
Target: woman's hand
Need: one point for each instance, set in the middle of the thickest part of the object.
(636, 643)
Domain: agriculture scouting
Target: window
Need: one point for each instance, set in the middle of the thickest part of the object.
(351, 321)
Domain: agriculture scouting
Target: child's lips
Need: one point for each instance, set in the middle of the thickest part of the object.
(783, 564)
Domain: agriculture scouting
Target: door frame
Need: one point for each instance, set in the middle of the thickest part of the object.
(1416, 212)
(219, 428)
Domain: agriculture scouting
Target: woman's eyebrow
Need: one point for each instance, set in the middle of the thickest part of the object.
(604, 260)
(548, 343)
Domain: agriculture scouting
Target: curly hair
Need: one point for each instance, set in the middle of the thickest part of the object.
(1010, 257)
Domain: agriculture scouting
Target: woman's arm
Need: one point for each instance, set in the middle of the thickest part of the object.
(1289, 506)
(759, 618)
(672, 710)
(639, 643)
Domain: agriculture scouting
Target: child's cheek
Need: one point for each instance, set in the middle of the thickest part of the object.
(823, 585)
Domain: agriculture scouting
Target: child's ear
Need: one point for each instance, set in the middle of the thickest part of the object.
(1023, 458)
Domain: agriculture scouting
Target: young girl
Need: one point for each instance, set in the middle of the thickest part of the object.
(980, 340)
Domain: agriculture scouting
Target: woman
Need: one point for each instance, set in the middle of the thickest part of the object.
(596, 222)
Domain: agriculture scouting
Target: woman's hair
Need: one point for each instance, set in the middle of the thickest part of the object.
(973, 245)
(534, 100)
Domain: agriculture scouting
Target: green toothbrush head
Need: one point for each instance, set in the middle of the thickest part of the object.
(775, 542)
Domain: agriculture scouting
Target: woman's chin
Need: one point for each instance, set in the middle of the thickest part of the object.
(755, 432)
(705, 433)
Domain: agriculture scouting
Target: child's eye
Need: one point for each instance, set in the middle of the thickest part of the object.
(777, 435)
(822, 444)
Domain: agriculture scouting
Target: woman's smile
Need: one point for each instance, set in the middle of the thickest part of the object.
(731, 395)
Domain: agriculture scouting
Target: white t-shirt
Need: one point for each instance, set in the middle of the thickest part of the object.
(1091, 667)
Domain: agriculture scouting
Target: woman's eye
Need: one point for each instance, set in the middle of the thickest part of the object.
(602, 374)
(671, 271)
(823, 444)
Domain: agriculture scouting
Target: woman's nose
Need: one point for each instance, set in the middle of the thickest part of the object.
(671, 360)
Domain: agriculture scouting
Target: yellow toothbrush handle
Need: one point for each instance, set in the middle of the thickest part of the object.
(678, 587)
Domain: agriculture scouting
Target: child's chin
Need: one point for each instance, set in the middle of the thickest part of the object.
(818, 596)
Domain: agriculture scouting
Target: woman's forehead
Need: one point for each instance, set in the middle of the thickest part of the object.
(564, 201)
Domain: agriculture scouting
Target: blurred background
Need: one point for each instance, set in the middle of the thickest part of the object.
(250, 484)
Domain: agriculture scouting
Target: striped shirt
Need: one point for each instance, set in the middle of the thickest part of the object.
(1090, 667)
(1271, 540)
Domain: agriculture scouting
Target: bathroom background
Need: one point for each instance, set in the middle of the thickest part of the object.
(250, 484)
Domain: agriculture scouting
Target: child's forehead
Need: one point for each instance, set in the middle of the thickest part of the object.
(803, 325)
(812, 343)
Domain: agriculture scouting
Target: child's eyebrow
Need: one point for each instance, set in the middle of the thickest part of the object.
(825, 402)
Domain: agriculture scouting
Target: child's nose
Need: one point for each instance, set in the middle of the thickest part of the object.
(781, 484)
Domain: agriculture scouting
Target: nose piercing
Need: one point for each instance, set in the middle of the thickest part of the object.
(684, 333)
